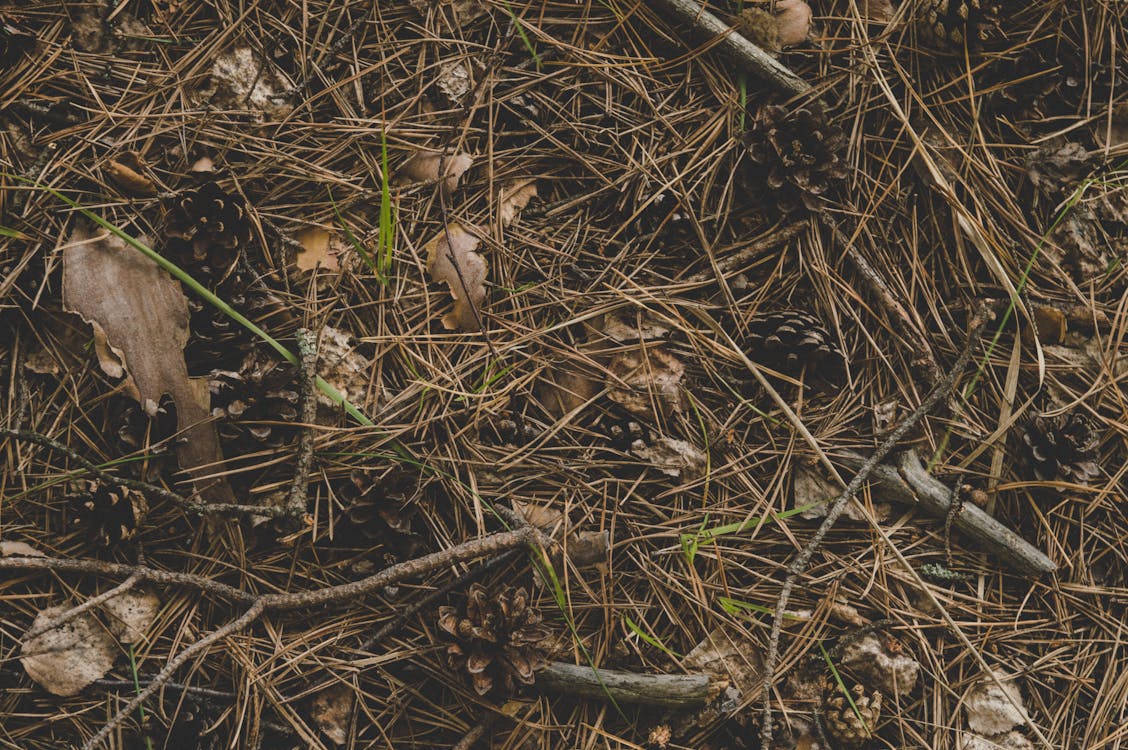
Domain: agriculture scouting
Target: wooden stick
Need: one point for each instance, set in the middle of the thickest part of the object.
(672, 690)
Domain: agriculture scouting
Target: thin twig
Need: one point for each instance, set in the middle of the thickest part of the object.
(299, 490)
(86, 606)
(470, 738)
(799, 564)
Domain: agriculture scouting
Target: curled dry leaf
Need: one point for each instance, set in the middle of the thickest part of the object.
(588, 548)
(127, 170)
(424, 167)
(240, 79)
(672, 457)
(542, 516)
(628, 325)
(343, 367)
(794, 17)
(452, 261)
(645, 378)
(879, 661)
(728, 652)
(331, 710)
(144, 320)
(812, 488)
(455, 81)
(66, 659)
(19, 549)
(990, 709)
(130, 613)
(561, 391)
(320, 247)
(876, 11)
(512, 198)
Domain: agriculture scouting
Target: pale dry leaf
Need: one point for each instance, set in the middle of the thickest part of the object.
(130, 613)
(111, 360)
(455, 81)
(203, 164)
(990, 709)
(331, 710)
(320, 247)
(542, 516)
(726, 651)
(512, 198)
(42, 362)
(872, 660)
(66, 659)
(423, 166)
(561, 391)
(462, 11)
(343, 367)
(242, 80)
(794, 17)
(452, 261)
(631, 325)
(847, 613)
(672, 457)
(19, 549)
(642, 379)
(1008, 741)
(143, 314)
(812, 488)
(127, 170)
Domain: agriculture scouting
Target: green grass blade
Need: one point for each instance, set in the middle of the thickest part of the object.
(634, 628)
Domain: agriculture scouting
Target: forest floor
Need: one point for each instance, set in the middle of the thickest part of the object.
(567, 266)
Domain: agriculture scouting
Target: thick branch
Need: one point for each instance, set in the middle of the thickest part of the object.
(672, 690)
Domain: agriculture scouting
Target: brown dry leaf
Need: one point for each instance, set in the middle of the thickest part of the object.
(513, 197)
(794, 17)
(465, 275)
(331, 710)
(643, 378)
(1051, 325)
(882, 663)
(19, 549)
(240, 79)
(876, 11)
(462, 11)
(143, 315)
(66, 659)
(42, 362)
(631, 325)
(127, 170)
(130, 613)
(343, 367)
(991, 709)
(424, 167)
(812, 488)
(562, 391)
(672, 457)
(1008, 741)
(726, 651)
(320, 247)
(542, 516)
(588, 548)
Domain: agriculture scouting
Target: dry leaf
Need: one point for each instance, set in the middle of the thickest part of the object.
(424, 167)
(1051, 325)
(588, 548)
(109, 359)
(42, 362)
(143, 315)
(871, 660)
(631, 325)
(989, 711)
(130, 613)
(672, 457)
(812, 488)
(331, 710)
(462, 11)
(240, 80)
(542, 516)
(19, 549)
(643, 379)
(794, 17)
(320, 247)
(343, 367)
(66, 659)
(465, 274)
(1008, 741)
(455, 81)
(562, 391)
(725, 651)
(847, 613)
(127, 170)
(513, 197)
(876, 11)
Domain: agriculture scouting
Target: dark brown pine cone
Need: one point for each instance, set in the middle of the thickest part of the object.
(255, 404)
(796, 156)
(219, 343)
(790, 340)
(850, 729)
(207, 229)
(109, 513)
(496, 637)
(948, 24)
(375, 500)
(1041, 82)
(1062, 447)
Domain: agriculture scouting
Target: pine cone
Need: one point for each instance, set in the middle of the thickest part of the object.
(207, 230)
(791, 340)
(110, 513)
(1062, 447)
(496, 638)
(796, 156)
(378, 499)
(842, 724)
(948, 24)
(251, 401)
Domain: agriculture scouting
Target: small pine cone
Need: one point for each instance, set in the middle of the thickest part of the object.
(379, 499)
(948, 24)
(842, 724)
(791, 339)
(109, 513)
(207, 230)
(496, 638)
(796, 156)
(250, 402)
(1062, 447)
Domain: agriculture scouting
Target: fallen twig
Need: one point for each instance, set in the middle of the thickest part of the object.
(672, 690)
(299, 489)
(796, 567)
(86, 606)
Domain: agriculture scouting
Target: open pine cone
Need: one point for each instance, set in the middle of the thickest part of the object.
(496, 638)
(791, 340)
(1062, 447)
(251, 402)
(846, 727)
(109, 513)
(796, 156)
(378, 499)
(948, 24)
(207, 229)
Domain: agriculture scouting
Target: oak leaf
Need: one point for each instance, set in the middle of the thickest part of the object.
(451, 260)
